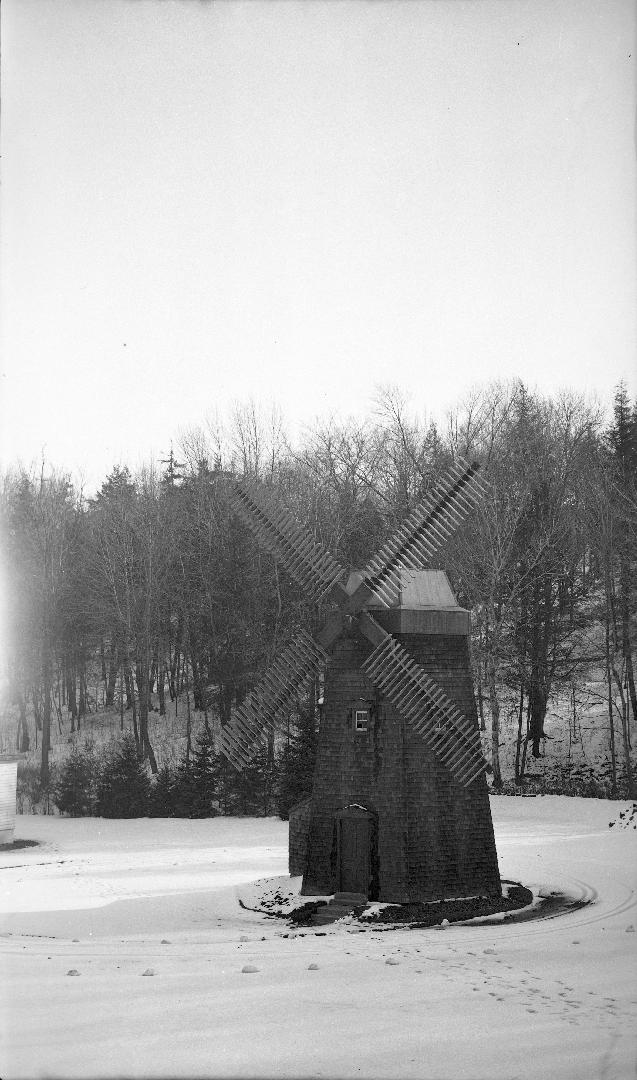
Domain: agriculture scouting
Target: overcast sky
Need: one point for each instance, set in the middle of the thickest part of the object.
(296, 202)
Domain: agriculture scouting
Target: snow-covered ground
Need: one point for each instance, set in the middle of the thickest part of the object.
(115, 901)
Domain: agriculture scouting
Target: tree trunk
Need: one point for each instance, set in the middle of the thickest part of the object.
(143, 683)
(130, 690)
(161, 687)
(495, 722)
(225, 702)
(130, 696)
(37, 711)
(538, 703)
(625, 590)
(518, 742)
(23, 740)
(111, 677)
(82, 702)
(479, 691)
(46, 716)
(71, 692)
(171, 679)
(630, 786)
(188, 721)
(611, 724)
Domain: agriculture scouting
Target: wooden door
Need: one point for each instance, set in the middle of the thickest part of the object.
(354, 854)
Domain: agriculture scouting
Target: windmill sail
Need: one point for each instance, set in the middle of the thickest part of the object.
(276, 692)
(304, 557)
(432, 715)
(423, 533)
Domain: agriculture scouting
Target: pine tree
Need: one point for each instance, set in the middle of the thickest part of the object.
(75, 789)
(254, 787)
(196, 783)
(204, 768)
(162, 795)
(124, 785)
(296, 764)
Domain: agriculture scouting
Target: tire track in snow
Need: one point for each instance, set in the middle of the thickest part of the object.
(580, 902)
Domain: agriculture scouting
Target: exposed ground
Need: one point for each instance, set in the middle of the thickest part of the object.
(97, 906)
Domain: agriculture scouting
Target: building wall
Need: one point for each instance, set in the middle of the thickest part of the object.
(299, 826)
(451, 846)
(8, 780)
(435, 839)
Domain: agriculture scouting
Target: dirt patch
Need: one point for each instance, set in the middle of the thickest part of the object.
(18, 845)
(627, 819)
(423, 914)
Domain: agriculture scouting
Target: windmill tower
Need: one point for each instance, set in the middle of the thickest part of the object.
(399, 809)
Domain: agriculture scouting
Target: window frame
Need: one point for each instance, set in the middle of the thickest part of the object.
(361, 720)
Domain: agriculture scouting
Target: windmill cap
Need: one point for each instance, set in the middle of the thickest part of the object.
(419, 589)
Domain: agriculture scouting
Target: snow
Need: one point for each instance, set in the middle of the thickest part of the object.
(236, 994)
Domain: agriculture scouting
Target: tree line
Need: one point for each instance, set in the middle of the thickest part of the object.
(154, 583)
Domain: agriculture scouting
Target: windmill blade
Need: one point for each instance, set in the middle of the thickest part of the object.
(451, 735)
(294, 667)
(418, 540)
(307, 561)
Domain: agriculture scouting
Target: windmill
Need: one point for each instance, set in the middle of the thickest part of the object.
(399, 810)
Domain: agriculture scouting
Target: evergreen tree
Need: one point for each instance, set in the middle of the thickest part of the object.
(296, 764)
(203, 771)
(162, 795)
(124, 785)
(75, 790)
(253, 790)
(196, 783)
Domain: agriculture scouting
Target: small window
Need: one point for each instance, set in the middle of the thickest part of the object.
(361, 717)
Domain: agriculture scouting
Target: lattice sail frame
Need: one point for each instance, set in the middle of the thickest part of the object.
(291, 671)
(426, 708)
(305, 558)
(426, 529)
(432, 715)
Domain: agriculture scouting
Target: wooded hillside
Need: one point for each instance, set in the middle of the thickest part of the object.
(154, 588)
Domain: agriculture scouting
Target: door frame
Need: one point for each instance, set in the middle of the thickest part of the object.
(357, 812)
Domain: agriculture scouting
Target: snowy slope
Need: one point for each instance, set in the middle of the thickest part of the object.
(115, 901)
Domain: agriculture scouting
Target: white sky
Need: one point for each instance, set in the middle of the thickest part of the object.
(295, 202)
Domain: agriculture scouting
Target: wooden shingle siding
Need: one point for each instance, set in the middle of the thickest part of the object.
(435, 838)
(299, 825)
